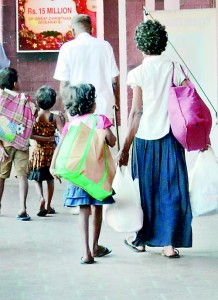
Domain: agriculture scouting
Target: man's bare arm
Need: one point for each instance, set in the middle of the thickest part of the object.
(116, 89)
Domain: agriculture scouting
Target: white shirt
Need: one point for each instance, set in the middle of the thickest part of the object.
(89, 60)
(154, 77)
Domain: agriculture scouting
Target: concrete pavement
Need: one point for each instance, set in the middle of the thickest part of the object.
(40, 259)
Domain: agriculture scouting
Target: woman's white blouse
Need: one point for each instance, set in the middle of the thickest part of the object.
(154, 76)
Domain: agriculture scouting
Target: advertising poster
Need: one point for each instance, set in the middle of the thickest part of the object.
(44, 25)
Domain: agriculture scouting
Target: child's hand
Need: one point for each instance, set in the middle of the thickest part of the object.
(58, 178)
(51, 139)
(3, 154)
(52, 171)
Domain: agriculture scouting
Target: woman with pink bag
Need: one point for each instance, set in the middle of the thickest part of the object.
(158, 160)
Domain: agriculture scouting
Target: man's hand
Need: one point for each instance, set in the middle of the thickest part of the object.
(116, 89)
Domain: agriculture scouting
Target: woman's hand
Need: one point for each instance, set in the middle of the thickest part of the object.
(123, 158)
(207, 146)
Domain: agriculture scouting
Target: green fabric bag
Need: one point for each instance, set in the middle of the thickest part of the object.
(84, 159)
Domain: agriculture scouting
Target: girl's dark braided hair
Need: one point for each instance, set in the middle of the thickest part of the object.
(151, 37)
(79, 99)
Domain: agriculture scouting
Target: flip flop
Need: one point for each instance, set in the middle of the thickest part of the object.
(106, 251)
(42, 213)
(90, 262)
(51, 211)
(176, 255)
(132, 247)
(23, 217)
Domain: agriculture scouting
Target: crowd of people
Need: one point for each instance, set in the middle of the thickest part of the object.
(89, 84)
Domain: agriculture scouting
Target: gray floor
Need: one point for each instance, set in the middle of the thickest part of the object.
(40, 260)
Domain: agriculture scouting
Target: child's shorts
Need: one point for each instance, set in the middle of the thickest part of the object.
(21, 163)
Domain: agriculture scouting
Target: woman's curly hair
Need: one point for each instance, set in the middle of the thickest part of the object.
(79, 99)
(151, 37)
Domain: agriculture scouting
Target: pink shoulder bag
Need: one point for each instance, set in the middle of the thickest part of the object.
(190, 118)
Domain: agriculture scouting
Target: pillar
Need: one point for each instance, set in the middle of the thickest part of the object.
(123, 67)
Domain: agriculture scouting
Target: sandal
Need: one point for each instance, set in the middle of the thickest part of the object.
(24, 217)
(90, 262)
(42, 213)
(175, 255)
(104, 252)
(132, 247)
(51, 211)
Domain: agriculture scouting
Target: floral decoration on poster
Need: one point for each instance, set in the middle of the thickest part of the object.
(45, 25)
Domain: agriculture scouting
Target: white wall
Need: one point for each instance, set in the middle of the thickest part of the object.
(123, 69)
(1, 5)
(100, 18)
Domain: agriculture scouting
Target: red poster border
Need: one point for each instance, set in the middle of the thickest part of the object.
(50, 41)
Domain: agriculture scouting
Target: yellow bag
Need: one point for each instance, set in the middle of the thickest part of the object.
(84, 159)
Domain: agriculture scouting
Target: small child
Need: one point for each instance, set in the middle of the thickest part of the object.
(44, 135)
(80, 103)
(9, 154)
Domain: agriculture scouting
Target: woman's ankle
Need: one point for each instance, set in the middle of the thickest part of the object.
(169, 250)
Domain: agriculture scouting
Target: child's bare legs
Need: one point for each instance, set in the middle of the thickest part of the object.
(50, 187)
(97, 222)
(85, 211)
(39, 191)
(23, 190)
(97, 250)
(2, 186)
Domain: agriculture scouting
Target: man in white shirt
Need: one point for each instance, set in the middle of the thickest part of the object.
(90, 60)
(4, 61)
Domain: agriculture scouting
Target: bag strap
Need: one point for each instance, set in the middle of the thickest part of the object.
(184, 72)
(88, 144)
(104, 177)
(92, 116)
(189, 83)
(172, 79)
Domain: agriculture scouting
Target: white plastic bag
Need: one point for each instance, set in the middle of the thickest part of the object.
(125, 215)
(203, 181)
